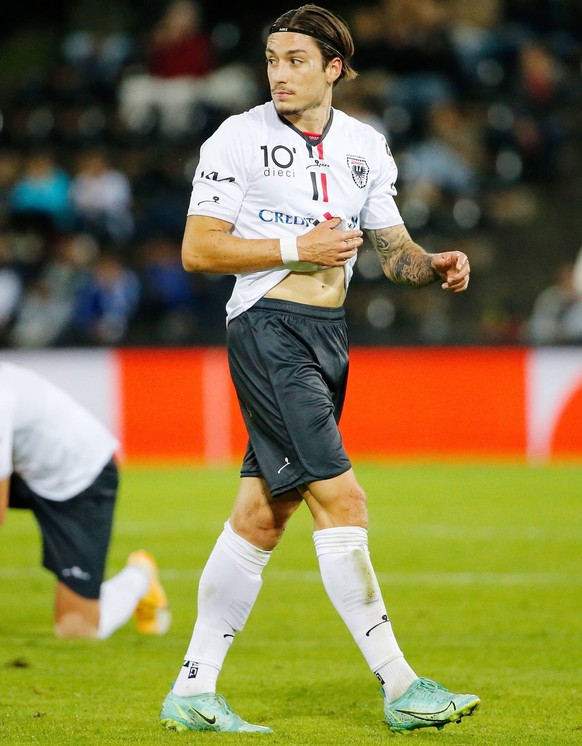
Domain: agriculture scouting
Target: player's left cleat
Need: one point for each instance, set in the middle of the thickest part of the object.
(152, 614)
(426, 703)
(204, 712)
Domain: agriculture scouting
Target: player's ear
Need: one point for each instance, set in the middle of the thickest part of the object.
(334, 69)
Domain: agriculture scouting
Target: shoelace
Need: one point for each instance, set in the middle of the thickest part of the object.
(430, 686)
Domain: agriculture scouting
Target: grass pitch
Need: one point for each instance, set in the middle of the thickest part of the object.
(480, 565)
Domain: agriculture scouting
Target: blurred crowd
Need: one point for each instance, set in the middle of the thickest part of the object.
(101, 122)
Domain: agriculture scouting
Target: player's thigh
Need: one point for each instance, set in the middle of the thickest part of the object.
(76, 533)
(259, 517)
(289, 364)
(339, 501)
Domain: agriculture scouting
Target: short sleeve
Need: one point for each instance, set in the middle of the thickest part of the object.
(380, 210)
(6, 435)
(220, 181)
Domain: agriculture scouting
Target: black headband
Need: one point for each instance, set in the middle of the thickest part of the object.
(275, 28)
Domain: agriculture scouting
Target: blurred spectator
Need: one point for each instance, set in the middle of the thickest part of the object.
(524, 131)
(179, 46)
(99, 42)
(442, 172)
(449, 155)
(408, 41)
(106, 302)
(45, 314)
(179, 56)
(556, 316)
(169, 300)
(99, 56)
(182, 73)
(10, 165)
(42, 190)
(540, 90)
(101, 196)
(10, 288)
(484, 48)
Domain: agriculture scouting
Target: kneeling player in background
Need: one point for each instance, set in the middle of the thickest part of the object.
(57, 460)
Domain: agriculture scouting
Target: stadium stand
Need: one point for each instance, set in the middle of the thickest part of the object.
(480, 103)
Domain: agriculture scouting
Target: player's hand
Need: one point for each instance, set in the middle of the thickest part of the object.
(327, 245)
(454, 269)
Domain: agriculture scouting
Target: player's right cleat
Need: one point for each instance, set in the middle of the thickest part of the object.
(426, 703)
(204, 712)
(152, 614)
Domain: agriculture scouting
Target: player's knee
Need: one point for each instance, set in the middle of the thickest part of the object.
(352, 509)
(262, 530)
(75, 625)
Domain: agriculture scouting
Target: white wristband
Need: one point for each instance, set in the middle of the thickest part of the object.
(288, 248)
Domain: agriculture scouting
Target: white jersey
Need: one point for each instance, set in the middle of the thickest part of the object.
(269, 180)
(47, 438)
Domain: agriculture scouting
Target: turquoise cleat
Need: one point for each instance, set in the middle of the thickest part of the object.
(204, 712)
(426, 703)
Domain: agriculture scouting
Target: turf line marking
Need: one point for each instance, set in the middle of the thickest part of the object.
(492, 579)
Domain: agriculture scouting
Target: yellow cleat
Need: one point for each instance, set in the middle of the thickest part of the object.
(152, 614)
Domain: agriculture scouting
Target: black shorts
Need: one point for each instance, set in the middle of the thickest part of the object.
(76, 532)
(289, 364)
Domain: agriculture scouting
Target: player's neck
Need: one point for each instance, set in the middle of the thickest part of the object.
(310, 120)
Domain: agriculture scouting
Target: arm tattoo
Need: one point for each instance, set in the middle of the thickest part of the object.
(403, 261)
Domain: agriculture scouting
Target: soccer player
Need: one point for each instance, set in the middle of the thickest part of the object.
(280, 198)
(58, 461)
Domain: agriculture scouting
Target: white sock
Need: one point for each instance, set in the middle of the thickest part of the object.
(118, 598)
(229, 586)
(351, 584)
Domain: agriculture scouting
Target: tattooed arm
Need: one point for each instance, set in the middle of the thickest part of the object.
(406, 263)
(403, 261)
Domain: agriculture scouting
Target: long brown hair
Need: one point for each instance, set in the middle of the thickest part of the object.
(331, 33)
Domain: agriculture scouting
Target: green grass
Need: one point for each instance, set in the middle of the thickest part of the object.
(481, 572)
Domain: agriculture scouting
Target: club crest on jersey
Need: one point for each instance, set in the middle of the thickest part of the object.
(359, 170)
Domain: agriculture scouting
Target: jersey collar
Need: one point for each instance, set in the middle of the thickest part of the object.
(308, 140)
